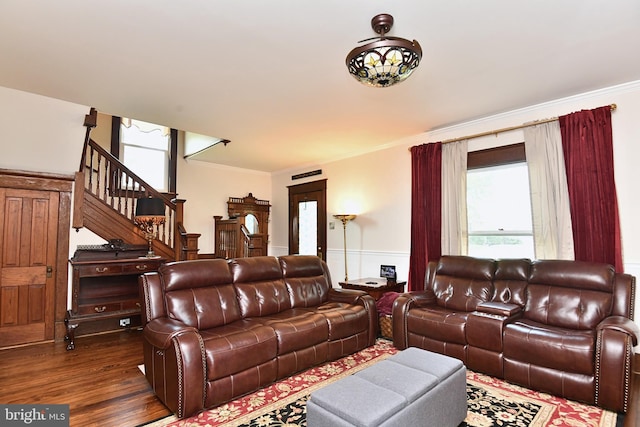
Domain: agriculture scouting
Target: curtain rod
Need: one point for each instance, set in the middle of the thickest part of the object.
(507, 129)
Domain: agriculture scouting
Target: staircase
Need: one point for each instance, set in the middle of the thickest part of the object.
(105, 197)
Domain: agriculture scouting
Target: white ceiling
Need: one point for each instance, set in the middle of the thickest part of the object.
(270, 75)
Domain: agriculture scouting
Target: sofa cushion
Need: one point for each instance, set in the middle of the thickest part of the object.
(306, 280)
(461, 282)
(343, 319)
(259, 285)
(510, 281)
(438, 324)
(573, 274)
(194, 274)
(204, 308)
(551, 347)
(199, 292)
(575, 309)
(236, 347)
(569, 294)
(296, 329)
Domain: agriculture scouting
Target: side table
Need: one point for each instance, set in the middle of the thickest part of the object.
(374, 286)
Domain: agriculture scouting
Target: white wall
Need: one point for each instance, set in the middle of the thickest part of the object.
(379, 184)
(207, 187)
(39, 133)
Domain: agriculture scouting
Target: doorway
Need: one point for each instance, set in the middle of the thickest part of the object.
(308, 219)
(34, 247)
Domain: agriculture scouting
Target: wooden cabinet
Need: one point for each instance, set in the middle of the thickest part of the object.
(246, 232)
(105, 294)
(374, 286)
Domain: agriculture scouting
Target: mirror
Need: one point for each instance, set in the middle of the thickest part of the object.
(251, 222)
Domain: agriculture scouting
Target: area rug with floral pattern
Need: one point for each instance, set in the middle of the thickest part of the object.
(490, 401)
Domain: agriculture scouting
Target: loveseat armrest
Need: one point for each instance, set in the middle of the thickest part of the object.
(499, 308)
(418, 298)
(357, 297)
(621, 324)
(348, 296)
(400, 310)
(616, 338)
(175, 365)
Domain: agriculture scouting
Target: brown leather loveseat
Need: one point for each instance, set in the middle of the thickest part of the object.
(217, 329)
(562, 327)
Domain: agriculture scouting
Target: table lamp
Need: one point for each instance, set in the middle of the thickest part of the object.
(149, 214)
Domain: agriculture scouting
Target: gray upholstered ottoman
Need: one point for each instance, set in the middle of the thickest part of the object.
(412, 388)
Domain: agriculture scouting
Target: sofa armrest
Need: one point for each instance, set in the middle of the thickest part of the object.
(175, 365)
(357, 297)
(499, 308)
(616, 338)
(419, 298)
(349, 296)
(160, 332)
(621, 324)
(400, 310)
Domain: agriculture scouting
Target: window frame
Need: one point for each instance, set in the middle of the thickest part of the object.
(172, 165)
(494, 157)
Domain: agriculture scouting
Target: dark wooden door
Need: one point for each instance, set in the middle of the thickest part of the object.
(28, 242)
(308, 219)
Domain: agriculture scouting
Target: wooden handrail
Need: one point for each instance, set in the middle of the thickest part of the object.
(119, 187)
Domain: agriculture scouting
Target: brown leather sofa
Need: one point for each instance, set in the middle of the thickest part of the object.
(561, 327)
(216, 329)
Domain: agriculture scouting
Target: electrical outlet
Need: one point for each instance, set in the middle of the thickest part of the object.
(125, 322)
(332, 225)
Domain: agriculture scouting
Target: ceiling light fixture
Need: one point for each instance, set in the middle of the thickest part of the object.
(385, 61)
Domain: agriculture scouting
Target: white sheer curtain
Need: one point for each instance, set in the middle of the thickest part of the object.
(552, 233)
(454, 198)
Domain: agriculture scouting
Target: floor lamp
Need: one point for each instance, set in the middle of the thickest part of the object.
(345, 218)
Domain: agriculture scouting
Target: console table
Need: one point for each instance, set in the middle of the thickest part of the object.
(374, 286)
(105, 292)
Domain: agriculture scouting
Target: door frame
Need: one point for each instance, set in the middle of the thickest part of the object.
(63, 184)
(309, 187)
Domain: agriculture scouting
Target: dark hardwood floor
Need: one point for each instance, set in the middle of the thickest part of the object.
(101, 382)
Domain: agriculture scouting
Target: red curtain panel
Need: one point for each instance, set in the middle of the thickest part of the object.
(587, 144)
(426, 216)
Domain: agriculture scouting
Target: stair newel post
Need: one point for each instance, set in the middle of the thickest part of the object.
(178, 221)
(90, 121)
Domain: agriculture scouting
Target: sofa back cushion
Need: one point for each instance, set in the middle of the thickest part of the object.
(199, 293)
(460, 283)
(510, 281)
(569, 294)
(307, 280)
(259, 285)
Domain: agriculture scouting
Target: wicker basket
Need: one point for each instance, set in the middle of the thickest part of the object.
(386, 328)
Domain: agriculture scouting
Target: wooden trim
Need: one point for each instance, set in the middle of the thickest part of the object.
(35, 180)
(115, 136)
(309, 187)
(78, 201)
(173, 160)
(504, 155)
(62, 276)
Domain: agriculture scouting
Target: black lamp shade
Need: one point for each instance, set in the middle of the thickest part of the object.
(150, 207)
